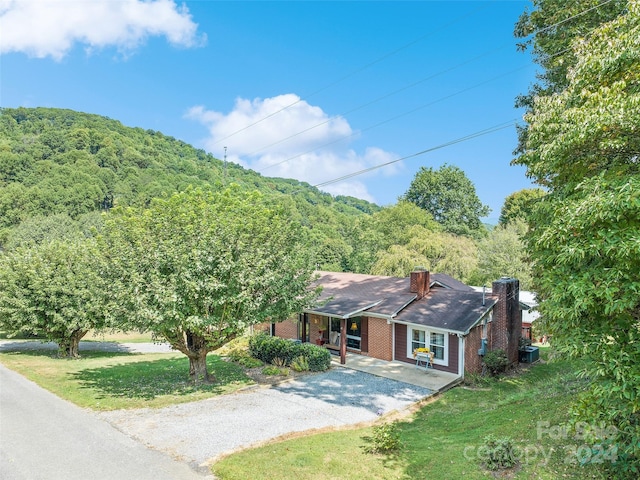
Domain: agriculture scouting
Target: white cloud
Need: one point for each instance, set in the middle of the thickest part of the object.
(284, 136)
(42, 28)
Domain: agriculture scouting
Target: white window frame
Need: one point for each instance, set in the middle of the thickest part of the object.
(427, 332)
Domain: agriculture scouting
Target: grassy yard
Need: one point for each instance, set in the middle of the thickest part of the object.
(109, 381)
(442, 439)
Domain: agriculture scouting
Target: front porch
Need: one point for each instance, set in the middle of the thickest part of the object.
(435, 380)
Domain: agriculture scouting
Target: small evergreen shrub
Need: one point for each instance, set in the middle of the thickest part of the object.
(385, 439)
(271, 370)
(266, 348)
(319, 358)
(300, 364)
(496, 361)
(500, 453)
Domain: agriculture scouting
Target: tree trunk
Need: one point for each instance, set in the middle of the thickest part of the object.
(69, 347)
(198, 368)
(197, 350)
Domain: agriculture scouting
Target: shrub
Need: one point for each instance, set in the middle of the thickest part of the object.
(249, 362)
(385, 439)
(300, 364)
(266, 348)
(496, 361)
(319, 358)
(500, 453)
(279, 362)
(271, 370)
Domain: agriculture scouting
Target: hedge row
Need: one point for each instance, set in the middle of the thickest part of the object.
(266, 348)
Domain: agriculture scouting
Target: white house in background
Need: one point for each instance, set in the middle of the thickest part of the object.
(528, 305)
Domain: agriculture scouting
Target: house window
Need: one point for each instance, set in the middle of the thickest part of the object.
(418, 340)
(437, 345)
(437, 342)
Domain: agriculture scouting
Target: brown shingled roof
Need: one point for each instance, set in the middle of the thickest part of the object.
(457, 307)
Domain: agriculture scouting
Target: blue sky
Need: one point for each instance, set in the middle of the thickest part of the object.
(309, 90)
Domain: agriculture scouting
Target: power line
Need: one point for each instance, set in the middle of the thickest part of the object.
(385, 96)
(471, 136)
(446, 97)
(351, 74)
(384, 57)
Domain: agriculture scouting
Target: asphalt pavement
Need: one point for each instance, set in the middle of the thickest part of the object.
(45, 437)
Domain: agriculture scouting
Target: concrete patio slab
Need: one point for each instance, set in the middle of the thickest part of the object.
(435, 380)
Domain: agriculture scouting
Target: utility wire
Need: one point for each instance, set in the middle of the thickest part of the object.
(383, 97)
(384, 57)
(479, 133)
(446, 97)
(352, 73)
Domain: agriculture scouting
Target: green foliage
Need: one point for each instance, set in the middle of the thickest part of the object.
(380, 231)
(518, 206)
(55, 290)
(440, 252)
(199, 268)
(384, 439)
(300, 364)
(582, 143)
(499, 453)
(496, 361)
(55, 161)
(275, 370)
(266, 348)
(319, 358)
(450, 197)
(503, 253)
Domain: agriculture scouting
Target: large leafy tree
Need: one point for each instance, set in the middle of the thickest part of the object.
(518, 205)
(439, 252)
(56, 290)
(583, 145)
(378, 232)
(198, 268)
(450, 197)
(503, 253)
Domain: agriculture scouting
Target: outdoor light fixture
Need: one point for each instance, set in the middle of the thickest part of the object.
(354, 326)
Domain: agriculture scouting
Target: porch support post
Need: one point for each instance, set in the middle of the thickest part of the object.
(343, 341)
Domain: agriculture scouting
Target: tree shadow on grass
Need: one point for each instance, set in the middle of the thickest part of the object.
(150, 379)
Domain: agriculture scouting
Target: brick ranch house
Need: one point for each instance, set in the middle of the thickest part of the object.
(388, 317)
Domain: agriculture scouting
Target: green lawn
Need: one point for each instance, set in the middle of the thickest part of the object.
(442, 440)
(109, 381)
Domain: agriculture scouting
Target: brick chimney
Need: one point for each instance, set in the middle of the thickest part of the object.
(420, 282)
(507, 317)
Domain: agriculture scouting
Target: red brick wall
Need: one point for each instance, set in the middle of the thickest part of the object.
(507, 317)
(472, 342)
(379, 339)
(287, 328)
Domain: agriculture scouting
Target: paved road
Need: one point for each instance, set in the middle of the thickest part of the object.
(44, 437)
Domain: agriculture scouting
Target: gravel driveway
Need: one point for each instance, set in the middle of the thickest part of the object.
(198, 432)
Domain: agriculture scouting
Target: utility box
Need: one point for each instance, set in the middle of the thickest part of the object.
(529, 354)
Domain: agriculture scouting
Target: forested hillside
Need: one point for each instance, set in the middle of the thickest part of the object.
(55, 161)
(60, 169)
